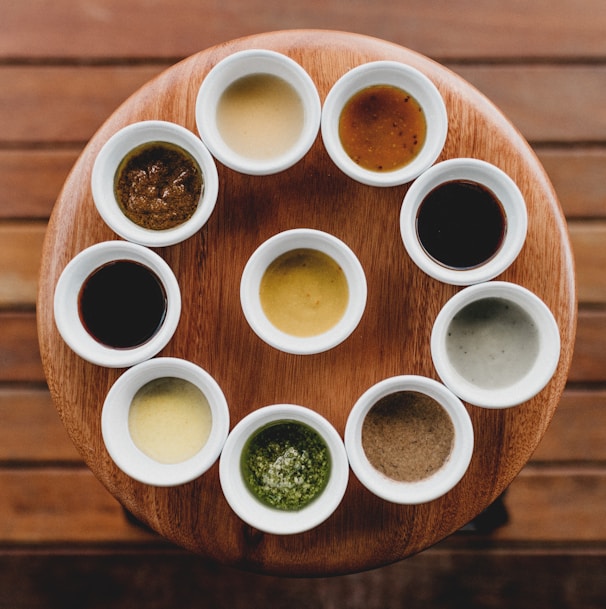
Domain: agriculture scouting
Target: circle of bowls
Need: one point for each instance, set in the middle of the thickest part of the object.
(263, 517)
(111, 155)
(230, 444)
(399, 75)
(425, 489)
(119, 443)
(66, 303)
(480, 172)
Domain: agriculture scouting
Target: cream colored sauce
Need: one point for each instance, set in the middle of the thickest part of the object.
(169, 419)
(492, 343)
(304, 292)
(260, 116)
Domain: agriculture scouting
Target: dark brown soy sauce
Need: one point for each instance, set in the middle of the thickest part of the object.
(122, 304)
(461, 224)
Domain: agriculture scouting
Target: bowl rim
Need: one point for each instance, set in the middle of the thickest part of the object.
(502, 186)
(426, 489)
(400, 75)
(244, 63)
(305, 238)
(536, 378)
(119, 443)
(66, 296)
(111, 155)
(265, 518)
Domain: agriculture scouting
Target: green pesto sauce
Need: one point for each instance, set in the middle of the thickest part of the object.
(286, 465)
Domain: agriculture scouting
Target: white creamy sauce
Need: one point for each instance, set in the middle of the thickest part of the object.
(260, 116)
(492, 343)
(169, 419)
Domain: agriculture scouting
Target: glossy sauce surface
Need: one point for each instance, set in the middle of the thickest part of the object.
(122, 304)
(382, 128)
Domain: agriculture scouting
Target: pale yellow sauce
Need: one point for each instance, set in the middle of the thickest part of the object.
(260, 116)
(169, 419)
(304, 292)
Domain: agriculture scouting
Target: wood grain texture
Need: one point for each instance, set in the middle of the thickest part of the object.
(364, 532)
(440, 29)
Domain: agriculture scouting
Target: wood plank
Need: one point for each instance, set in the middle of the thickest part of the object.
(20, 356)
(20, 251)
(31, 181)
(588, 239)
(577, 432)
(577, 175)
(19, 351)
(80, 98)
(589, 359)
(438, 578)
(76, 100)
(31, 431)
(115, 29)
(54, 505)
(543, 101)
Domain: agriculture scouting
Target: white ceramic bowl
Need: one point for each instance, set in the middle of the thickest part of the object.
(287, 241)
(117, 438)
(66, 303)
(401, 76)
(505, 190)
(252, 510)
(425, 489)
(111, 155)
(248, 63)
(535, 374)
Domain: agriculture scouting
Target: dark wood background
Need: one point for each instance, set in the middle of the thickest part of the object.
(64, 67)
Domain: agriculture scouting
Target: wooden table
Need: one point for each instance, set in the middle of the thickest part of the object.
(393, 337)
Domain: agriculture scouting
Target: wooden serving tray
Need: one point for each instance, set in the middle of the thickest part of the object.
(392, 338)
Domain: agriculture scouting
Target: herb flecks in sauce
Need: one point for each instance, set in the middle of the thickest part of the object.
(382, 128)
(158, 185)
(286, 465)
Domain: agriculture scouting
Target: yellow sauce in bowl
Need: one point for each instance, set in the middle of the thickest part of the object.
(304, 292)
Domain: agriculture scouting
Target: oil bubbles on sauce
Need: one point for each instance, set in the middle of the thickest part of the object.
(382, 128)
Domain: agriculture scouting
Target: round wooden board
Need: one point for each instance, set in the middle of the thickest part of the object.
(392, 338)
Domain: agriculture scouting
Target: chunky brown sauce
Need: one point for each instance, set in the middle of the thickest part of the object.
(158, 185)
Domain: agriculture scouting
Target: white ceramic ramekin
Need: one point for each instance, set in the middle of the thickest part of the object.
(267, 518)
(399, 75)
(485, 174)
(247, 63)
(279, 244)
(118, 440)
(118, 147)
(426, 489)
(66, 303)
(539, 371)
